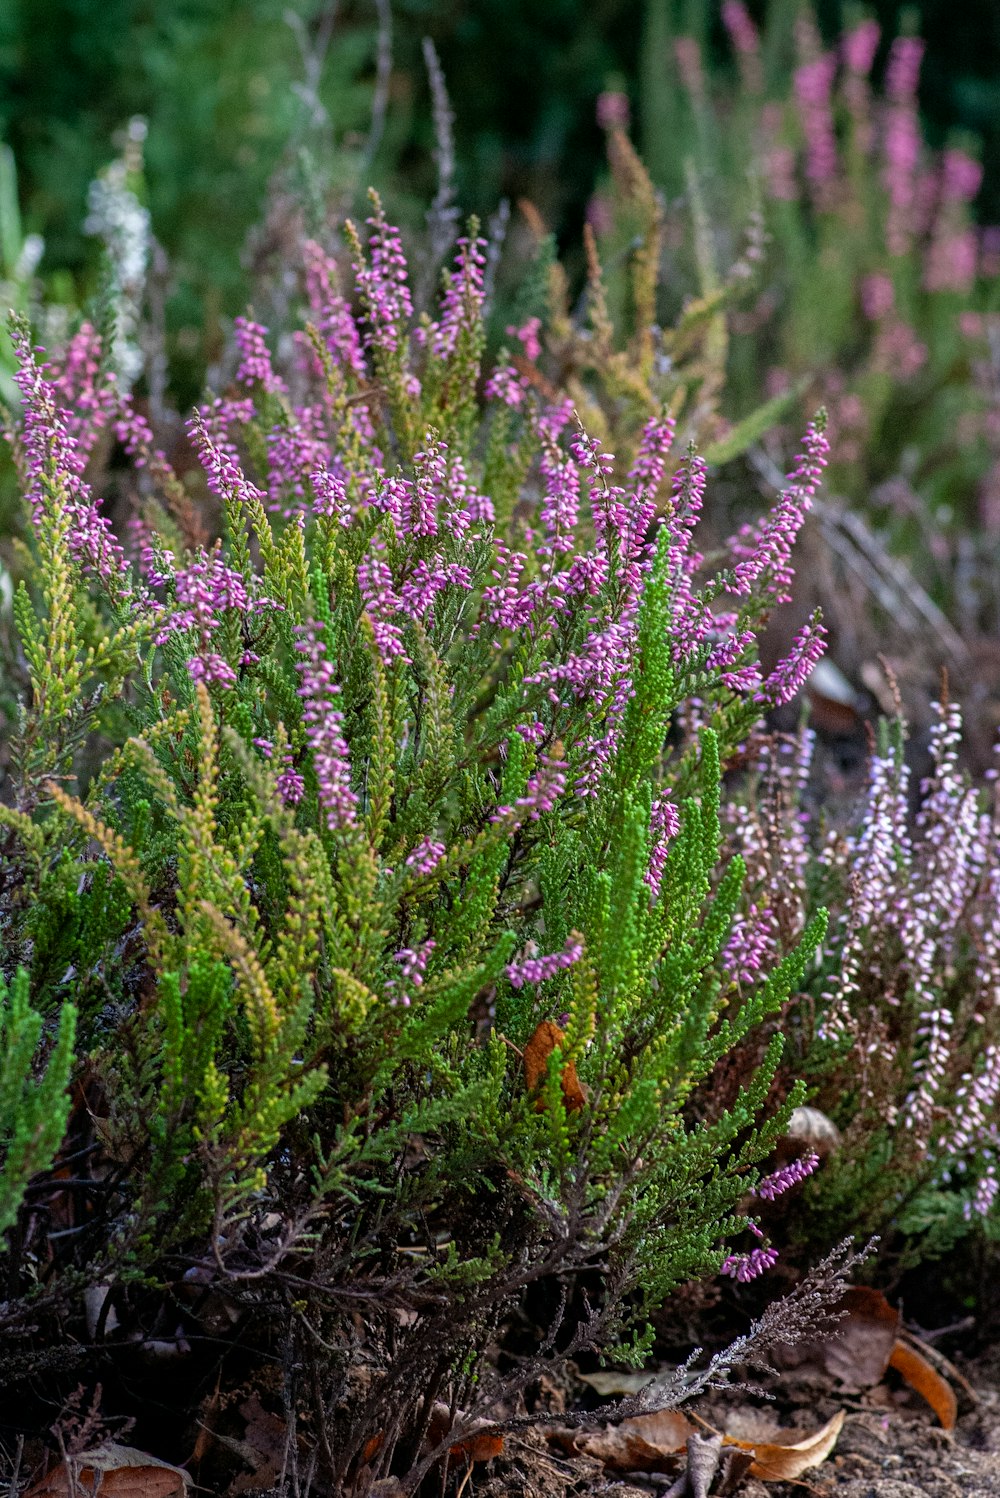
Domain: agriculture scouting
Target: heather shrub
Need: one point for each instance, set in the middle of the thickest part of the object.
(877, 292)
(360, 850)
(895, 1031)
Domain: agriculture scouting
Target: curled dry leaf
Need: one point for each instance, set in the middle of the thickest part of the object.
(112, 1471)
(536, 1061)
(642, 1443)
(648, 1443)
(911, 1364)
(786, 1460)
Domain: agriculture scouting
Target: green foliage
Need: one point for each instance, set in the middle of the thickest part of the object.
(33, 1109)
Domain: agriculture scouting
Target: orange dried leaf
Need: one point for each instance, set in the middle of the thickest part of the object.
(113, 1471)
(539, 1048)
(785, 1461)
(372, 1447)
(918, 1373)
(478, 1448)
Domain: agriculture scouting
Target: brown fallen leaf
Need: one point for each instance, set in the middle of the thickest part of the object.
(857, 1351)
(784, 1461)
(911, 1365)
(536, 1061)
(642, 1443)
(610, 1382)
(112, 1471)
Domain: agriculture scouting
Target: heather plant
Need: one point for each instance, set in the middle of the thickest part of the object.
(895, 1032)
(390, 914)
(877, 291)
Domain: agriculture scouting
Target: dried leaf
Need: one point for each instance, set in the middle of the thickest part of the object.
(784, 1461)
(536, 1060)
(639, 1444)
(918, 1373)
(113, 1471)
(857, 1351)
(478, 1447)
(612, 1382)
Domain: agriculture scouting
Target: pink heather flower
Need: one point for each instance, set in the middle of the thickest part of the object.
(538, 969)
(383, 284)
(255, 358)
(527, 336)
(951, 260)
(290, 785)
(612, 112)
(751, 942)
(463, 297)
(961, 177)
(330, 497)
(877, 296)
(813, 85)
(790, 675)
(328, 310)
(741, 29)
(899, 351)
(764, 550)
(426, 856)
(902, 141)
(746, 1267)
(903, 71)
(294, 450)
(86, 396)
(55, 460)
(381, 601)
(203, 592)
(664, 825)
(859, 47)
(330, 755)
(413, 969)
(507, 386)
(225, 478)
(788, 1176)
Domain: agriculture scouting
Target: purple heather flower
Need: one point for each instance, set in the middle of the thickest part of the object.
(792, 673)
(55, 462)
(764, 550)
(381, 601)
(752, 941)
(329, 311)
(813, 86)
(788, 1176)
(463, 298)
(859, 47)
(538, 969)
(323, 725)
(746, 1267)
(527, 336)
(413, 969)
(877, 296)
(383, 284)
(426, 856)
(664, 825)
(255, 358)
